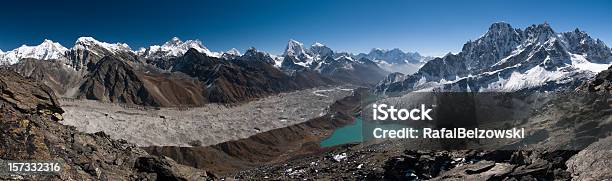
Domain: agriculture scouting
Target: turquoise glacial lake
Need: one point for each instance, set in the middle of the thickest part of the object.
(355, 132)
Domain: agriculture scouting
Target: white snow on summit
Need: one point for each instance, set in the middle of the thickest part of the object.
(87, 43)
(175, 47)
(47, 50)
(233, 51)
(296, 49)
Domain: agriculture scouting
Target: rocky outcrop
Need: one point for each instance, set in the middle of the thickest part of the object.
(26, 95)
(29, 130)
(594, 162)
(601, 83)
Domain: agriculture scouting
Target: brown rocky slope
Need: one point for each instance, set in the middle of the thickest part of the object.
(29, 131)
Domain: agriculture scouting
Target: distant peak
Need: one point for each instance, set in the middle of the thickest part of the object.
(545, 25)
(233, 51)
(317, 44)
(540, 31)
(51, 44)
(377, 50)
(500, 24)
(396, 50)
(174, 41)
(176, 47)
(86, 39)
(48, 41)
(579, 32)
(293, 42)
(90, 41)
(294, 48)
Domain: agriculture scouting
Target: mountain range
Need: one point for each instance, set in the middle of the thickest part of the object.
(510, 59)
(183, 73)
(188, 73)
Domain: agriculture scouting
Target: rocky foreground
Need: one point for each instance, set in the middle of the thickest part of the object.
(29, 130)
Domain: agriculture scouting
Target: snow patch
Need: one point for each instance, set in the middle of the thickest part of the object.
(580, 62)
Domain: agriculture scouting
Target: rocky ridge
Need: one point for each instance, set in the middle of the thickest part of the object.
(509, 59)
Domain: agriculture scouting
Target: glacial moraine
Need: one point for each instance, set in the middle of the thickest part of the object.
(207, 125)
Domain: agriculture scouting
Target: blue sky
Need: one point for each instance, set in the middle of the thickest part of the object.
(432, 27)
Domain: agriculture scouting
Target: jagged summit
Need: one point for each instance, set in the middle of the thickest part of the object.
(296, 49)
(539, 33)
(511, 59)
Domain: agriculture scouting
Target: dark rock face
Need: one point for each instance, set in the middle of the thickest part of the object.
(361, 72)
(165, 63)
(29, 131)
(253, 55)
(238, 81)
(113, 80)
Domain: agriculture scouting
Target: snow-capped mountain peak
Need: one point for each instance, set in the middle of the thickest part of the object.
(317, 44)
(320, 51)
(231, 54)
(295, 49)
(47, 50)
(539, 33)
(508, 59)
(90, 43)
(175, 48)
(233, 51)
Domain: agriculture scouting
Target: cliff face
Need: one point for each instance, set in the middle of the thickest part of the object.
(29, 130)
(114, 80)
